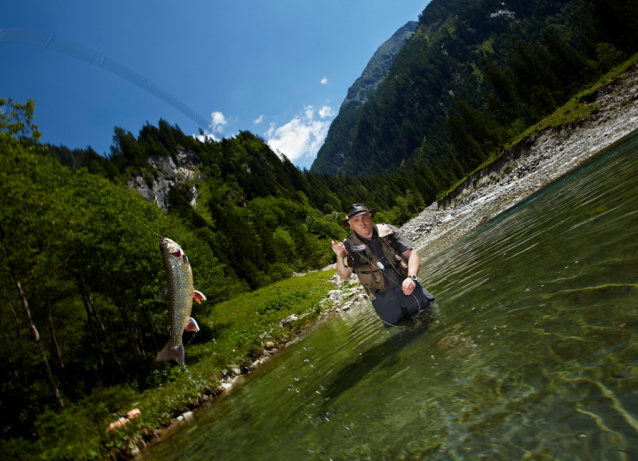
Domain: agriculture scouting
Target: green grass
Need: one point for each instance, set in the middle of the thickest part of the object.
(238, 327)
(574, 110)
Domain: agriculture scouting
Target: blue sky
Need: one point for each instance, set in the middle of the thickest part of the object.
(277, 68)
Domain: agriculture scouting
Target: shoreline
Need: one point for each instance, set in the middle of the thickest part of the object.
(521, 172)
(525, 169)
(340, 299)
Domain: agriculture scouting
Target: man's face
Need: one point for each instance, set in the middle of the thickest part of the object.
(362, 225)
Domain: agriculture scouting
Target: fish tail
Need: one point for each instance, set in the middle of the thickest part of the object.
(171, 353)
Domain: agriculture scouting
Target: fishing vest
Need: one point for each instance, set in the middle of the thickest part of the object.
(365, 260)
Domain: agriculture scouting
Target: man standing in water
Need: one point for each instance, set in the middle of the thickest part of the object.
(387, 266)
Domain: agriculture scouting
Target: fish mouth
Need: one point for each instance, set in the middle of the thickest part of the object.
(171, 247)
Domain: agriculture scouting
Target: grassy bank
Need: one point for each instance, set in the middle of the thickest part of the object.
(231, 337)
(576, 109)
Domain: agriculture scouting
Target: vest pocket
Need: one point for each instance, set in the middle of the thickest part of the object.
(373, 280)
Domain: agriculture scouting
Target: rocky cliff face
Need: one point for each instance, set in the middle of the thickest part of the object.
(167, 173)
(381, 60)
(336, 147)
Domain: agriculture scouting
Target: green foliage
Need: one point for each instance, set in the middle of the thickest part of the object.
(283, 303)
(608, 56)
(615, 22)
(90, 270)
(16, 120)
(336, 147)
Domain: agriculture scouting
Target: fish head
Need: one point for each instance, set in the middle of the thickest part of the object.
(170, 247)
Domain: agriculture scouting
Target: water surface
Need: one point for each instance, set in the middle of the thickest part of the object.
(534, 356)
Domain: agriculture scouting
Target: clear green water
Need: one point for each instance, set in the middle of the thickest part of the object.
(535, 355)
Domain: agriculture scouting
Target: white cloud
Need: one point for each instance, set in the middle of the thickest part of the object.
(299, 138)
(326, 111)
(324, 81)
(217, 125)
(204, 137)
(259, 120)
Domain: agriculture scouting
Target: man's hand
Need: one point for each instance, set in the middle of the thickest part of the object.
(408, 286)
(339, 249)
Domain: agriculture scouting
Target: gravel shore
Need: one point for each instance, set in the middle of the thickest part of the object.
(526, 168)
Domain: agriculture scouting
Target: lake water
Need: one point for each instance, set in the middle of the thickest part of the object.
(534, 354)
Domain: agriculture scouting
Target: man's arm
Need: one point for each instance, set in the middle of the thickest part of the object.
(414, 263)
(340, 250)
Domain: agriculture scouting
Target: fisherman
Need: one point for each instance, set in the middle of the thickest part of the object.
(387, 266)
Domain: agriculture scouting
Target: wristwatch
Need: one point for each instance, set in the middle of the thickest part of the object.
(413, 277)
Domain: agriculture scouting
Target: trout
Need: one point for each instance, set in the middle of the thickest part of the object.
(179, 293)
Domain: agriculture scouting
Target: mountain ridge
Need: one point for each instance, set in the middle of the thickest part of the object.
(332, 153)
(374, 72)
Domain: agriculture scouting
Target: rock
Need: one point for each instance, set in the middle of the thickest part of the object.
(270, 345)
(168, 173)
(188, 415)
(336, 280)
(288, 320)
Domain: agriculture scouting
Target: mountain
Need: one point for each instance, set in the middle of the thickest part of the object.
(403, 121)
(381, 60)
(336, 147)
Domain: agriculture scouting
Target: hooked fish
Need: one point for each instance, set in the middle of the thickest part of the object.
(179, 293)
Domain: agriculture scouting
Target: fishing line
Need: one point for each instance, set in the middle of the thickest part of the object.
(144, 224)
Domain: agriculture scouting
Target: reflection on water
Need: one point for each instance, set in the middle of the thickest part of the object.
(533, 355)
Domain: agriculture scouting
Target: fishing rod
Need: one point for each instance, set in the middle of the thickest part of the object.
(77, 51)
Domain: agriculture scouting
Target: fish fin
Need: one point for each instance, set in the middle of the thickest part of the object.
(191, 325)
(171, 353)
(163, 293)
(198, 296)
